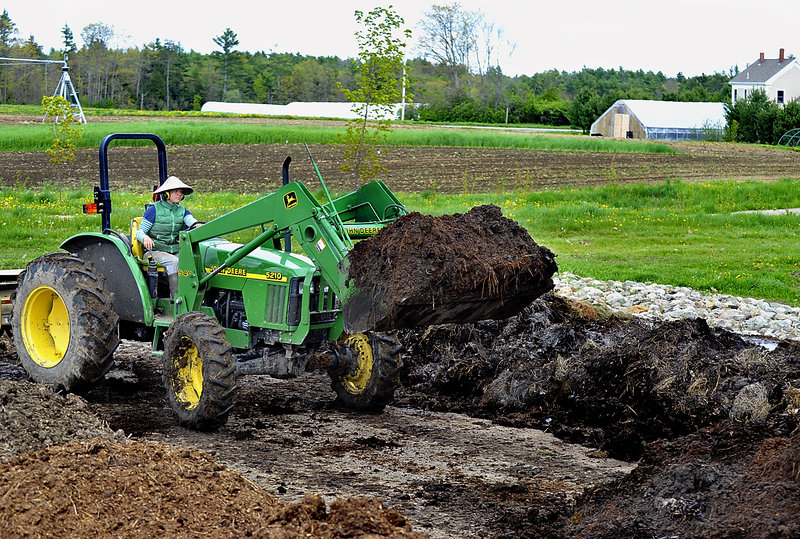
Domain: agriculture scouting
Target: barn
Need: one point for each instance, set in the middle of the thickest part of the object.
(661, 120)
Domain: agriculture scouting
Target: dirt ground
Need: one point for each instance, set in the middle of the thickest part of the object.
(257, 168)
(552, 423)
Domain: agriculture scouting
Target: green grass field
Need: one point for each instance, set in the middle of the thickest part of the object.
(36, 137)
(683, 234)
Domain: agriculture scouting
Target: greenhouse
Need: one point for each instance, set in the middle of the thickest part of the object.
(298, 109)
(661, 120)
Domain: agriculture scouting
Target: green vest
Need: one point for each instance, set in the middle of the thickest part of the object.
(167, 226)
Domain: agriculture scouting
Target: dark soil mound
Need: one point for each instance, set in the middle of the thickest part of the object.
(712, 415)
(425, 270)
(729, 480)
(33, 417)
(99, 488)
(613, 383)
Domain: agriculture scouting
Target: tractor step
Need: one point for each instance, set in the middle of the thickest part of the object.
(163, 320)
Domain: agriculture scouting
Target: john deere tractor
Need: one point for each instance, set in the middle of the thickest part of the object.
(254, 308)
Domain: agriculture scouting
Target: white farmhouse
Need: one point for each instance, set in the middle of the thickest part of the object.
(779, 78)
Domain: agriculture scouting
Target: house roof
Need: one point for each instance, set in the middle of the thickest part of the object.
(760, 71)
(674, 114)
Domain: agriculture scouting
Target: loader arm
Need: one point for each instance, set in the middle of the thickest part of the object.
(291, 210)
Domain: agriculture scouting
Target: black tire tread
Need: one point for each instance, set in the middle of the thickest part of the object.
(94, 334)
(384, 380)
(219, 370)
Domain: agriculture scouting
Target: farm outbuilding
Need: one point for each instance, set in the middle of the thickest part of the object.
(662, 120)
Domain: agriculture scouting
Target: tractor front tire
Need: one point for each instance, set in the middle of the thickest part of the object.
(63, 323)
(199, 371)
(365, 374)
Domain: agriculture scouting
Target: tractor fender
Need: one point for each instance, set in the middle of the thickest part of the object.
(112, 257)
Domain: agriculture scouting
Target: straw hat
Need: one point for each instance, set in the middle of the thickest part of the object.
(174, 183)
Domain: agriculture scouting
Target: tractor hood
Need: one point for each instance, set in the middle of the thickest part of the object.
(261, 264)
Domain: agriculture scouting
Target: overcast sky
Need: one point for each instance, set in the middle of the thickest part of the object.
(671, 36)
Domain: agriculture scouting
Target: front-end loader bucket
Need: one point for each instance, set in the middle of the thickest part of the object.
(369, 310)
(423, 270)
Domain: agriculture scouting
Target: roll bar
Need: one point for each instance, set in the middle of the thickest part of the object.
(102, 193)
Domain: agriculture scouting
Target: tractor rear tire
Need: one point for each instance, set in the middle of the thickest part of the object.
(199, 371)
(63, 323)
(365, 376)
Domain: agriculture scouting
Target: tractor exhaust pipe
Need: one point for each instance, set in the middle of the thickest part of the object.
(287, 238)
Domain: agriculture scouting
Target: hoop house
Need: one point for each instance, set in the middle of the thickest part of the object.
(660, 120)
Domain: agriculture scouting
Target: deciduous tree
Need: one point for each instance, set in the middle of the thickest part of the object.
(585, 109)
(448, 35)
(755, 116)
(380, 77)
(65, 134)
(98, 62)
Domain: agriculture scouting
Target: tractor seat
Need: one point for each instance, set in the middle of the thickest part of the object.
(137, 248)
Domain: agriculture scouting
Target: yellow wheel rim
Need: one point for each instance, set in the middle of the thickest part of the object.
(356, 382)
(45, 326)
(188, 379)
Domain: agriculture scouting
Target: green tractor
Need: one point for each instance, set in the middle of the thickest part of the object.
(254, 308)
(240, 309)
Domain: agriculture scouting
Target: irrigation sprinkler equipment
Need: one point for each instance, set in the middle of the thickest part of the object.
(64, 87)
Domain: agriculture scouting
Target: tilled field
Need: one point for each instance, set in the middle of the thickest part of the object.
(257, 168)
(549, 424)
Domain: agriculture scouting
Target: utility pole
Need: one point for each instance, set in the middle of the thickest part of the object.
(403, 99)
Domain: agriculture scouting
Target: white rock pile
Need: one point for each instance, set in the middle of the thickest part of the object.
(746, 316)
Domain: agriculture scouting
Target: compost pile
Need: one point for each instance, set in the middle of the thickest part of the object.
(423, 270)
(33, 417)
(613, 383)
(99, 488)
(64, 473)
(727, 480)
(711, 416)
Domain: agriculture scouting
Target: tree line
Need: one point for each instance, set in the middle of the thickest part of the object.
(456, 80)
(758, 119)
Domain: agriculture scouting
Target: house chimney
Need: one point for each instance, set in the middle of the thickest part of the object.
(761, 58)
(780, 58)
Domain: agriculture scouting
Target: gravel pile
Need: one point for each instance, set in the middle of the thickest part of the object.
(746, 316)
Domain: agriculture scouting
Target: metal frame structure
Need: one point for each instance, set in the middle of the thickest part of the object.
(790, 138)
(64, 88)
